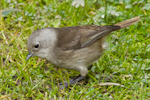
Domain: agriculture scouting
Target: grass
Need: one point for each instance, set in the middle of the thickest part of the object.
(127, 60)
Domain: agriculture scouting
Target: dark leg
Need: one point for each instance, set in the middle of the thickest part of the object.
(74, 80)
(90, 67)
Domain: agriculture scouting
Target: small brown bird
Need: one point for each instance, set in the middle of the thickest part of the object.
(76, 47)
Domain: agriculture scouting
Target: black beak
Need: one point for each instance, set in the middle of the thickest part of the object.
(30, 54)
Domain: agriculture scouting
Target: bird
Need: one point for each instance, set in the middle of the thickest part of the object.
(74, 47)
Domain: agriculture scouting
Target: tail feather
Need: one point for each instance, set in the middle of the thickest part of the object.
(128, 22)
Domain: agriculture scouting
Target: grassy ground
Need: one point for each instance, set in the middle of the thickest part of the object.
(127, 60)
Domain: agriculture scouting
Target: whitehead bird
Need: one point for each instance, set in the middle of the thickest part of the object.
(76, 47)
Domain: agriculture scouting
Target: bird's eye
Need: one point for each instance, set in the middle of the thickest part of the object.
(36, 46)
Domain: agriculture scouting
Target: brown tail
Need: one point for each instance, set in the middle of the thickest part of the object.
(128, 22)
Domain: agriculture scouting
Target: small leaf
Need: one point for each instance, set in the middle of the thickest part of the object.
(147, 6)
(40, 75)
(128, 6)
(56, 23)
(93, 68)
(97, 76)
(8, 11)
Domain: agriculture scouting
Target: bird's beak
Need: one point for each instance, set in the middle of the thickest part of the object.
(30, 54)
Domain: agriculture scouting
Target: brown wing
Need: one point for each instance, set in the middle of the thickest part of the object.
(78, 37)
(100, 31)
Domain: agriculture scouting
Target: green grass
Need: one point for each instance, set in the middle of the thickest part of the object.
(127, 59)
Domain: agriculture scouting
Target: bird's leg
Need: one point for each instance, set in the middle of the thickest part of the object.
(78, 77)
(74, 80)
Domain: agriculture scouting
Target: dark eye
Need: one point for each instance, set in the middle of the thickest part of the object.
(36, 46)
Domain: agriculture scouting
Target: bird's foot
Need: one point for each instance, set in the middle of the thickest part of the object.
(72, 81)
